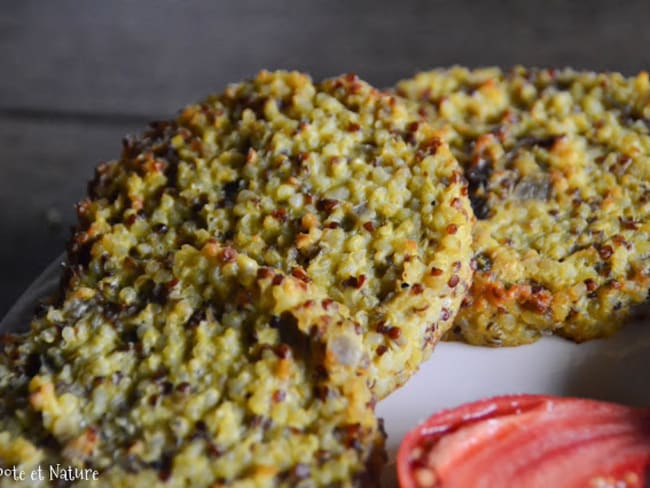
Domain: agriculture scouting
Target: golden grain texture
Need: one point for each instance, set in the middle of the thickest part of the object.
(242, 376)
(334, 183)
(559, 168)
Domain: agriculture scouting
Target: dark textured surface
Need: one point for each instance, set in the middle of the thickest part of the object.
(77, 76)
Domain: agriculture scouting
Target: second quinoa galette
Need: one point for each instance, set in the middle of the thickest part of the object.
(333, 183)
(241, 377)
(559, 168)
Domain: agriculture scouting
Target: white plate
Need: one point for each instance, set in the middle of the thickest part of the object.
(616, 369)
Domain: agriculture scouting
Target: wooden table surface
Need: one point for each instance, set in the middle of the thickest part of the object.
(76, 76)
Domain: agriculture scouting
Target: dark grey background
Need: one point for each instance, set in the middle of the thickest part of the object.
(76, 76)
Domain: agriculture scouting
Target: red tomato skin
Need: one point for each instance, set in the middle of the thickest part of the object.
(448, 421)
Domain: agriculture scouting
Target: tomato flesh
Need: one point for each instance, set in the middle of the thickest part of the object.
(528, 441)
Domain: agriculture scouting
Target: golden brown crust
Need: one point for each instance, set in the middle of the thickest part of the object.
(242, 376)
(558, 163)
(334, 183)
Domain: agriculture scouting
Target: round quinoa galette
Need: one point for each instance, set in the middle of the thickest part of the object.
(559, 168)
(240, 376)
(333, 183)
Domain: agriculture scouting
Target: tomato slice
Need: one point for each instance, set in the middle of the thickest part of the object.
(528, 441)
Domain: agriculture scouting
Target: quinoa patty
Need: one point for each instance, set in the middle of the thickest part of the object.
(241, 376)
(333, 183)
(559, 168)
